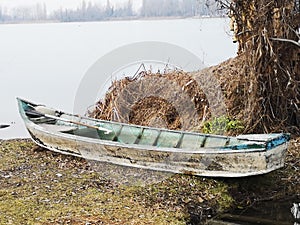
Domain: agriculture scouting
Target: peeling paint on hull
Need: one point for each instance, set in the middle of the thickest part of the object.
(226, 164)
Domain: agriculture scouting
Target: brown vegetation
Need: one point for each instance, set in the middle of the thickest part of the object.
(266, 32)
(173, 100)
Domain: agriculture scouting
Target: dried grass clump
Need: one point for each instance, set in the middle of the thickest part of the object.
(176, 99)
(172, 100)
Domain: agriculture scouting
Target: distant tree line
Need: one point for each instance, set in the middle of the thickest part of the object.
(89, 11)
(179, 8)
(36, 12)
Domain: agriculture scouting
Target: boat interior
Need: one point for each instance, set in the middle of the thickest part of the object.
(133, 134)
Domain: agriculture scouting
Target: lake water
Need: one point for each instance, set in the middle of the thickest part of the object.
(46, 63)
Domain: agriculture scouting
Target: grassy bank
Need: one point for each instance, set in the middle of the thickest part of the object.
(41, 187)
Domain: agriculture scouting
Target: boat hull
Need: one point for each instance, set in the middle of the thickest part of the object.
(204, 162)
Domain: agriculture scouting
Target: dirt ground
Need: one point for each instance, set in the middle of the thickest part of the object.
(41, 187)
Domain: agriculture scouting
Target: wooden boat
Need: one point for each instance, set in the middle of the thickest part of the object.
(153, 148)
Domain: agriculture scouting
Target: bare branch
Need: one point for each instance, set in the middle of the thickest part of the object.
(286, 40)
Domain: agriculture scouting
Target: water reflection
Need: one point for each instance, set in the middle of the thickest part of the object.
(285, 212)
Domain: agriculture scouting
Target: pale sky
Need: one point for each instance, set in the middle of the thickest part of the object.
(56, 4)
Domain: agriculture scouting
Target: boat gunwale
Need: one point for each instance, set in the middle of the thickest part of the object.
(202, 150)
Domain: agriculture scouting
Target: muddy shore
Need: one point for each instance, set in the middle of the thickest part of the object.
(41, 187)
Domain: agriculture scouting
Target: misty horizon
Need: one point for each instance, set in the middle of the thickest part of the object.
(91, 10)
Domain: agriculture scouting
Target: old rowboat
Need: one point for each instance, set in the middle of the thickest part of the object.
(153, 148)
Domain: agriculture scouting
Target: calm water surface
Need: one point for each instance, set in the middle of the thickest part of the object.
(46, 62)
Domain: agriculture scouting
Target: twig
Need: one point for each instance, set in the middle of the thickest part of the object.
(286, 40)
